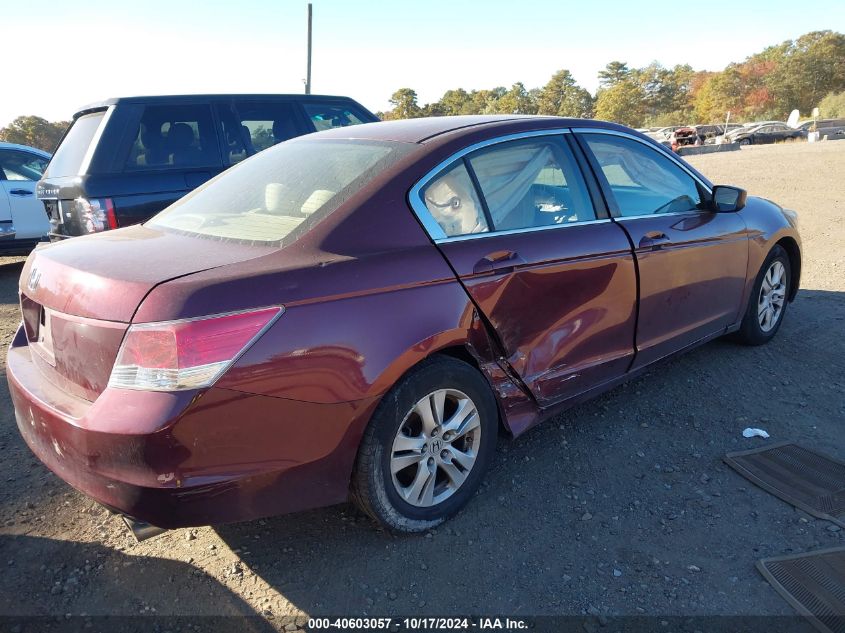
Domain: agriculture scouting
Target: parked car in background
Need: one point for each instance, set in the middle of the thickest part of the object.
(683, 137)
(662, 133)
(23, 222)
(766, 133)
(832, 128)
(124, 160)
(358, 313)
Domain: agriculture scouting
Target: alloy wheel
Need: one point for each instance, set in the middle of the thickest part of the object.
(772, 296)
(435, 447)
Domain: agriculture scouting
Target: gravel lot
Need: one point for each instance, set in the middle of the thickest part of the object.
(620, 506)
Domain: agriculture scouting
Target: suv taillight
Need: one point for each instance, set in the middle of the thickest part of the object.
(188, 354)
(95, 214)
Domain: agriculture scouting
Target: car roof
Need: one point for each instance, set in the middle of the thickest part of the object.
(164, 99)
(426, 129)
(25, 148)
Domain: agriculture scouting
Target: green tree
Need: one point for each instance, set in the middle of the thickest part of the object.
(35, 132)
(808, 69)
(455, 102)
(623, 102)
(562, 96)
(516, 101)
(832, 106)
(614, 73)
(405, 106)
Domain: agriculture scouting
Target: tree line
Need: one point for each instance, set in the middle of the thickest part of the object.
(35, 132)
(804, 73)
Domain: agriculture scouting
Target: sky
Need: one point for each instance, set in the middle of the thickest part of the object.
(68, 53)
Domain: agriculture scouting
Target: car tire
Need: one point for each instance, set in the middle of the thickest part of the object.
(745, 141)
(767, 305)
(398, 434)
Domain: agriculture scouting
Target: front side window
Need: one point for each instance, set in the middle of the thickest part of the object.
(173, 136)
(523, 184)
(15, 165)
(642, 181)
(329, 115)
(277, 194)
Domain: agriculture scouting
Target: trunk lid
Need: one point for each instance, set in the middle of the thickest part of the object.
(79, 296)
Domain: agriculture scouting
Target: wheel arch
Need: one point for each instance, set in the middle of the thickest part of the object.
(793, 251)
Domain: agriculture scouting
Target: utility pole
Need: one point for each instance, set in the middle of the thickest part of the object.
(308, 72)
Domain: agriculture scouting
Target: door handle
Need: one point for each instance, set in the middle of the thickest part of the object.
(653, 240)
(498, 262)
(20, 192)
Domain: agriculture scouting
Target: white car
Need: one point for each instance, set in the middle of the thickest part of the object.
(23, 221)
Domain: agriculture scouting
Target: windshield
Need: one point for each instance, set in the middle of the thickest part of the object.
(67, 161)
(281, 191)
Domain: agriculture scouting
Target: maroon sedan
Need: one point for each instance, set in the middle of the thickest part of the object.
(357, 312)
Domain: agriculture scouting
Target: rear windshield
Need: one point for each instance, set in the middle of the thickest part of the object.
(67, 161)
(277, 194)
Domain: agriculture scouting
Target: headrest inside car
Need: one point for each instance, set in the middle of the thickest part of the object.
(316, 200)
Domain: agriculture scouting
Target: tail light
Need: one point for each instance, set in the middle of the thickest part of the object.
(189, 354)
(95, 214)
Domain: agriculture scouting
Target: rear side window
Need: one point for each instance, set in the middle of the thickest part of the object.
(277, 194)
(327, 116)
(174, 136)
(453, 202)
(256, 125)
(529, 184)
(524, 185)
(67, 161)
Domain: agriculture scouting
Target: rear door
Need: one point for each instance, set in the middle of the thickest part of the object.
(20, 172)
(552, 275)
(692, 261)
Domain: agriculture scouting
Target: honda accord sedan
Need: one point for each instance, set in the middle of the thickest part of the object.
(359, 312)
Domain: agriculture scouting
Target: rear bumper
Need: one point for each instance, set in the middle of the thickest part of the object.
(184, 459)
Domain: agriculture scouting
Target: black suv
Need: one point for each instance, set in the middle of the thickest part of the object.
(124, 160)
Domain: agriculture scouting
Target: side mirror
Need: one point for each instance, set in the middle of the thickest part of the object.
(727, 198)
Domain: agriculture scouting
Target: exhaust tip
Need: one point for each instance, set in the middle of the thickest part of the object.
(141, 530)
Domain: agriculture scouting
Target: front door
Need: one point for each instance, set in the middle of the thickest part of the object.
(556, 282)
(692, 261)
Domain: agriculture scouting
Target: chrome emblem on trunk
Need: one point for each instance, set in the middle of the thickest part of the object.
(34, 278)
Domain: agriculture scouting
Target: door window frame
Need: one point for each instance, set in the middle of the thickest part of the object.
(606, 189)
(563, 135)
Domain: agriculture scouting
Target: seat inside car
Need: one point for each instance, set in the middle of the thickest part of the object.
(283, 130)
(180, 143)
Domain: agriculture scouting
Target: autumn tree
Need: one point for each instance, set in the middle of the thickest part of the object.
(35, 132)
(562, 96)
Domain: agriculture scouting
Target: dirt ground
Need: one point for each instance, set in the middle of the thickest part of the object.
(620, 506)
